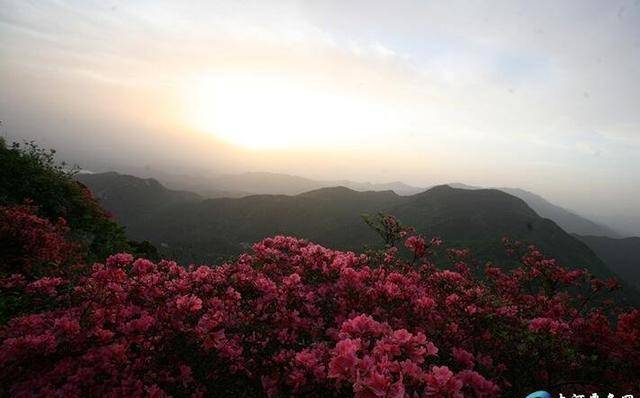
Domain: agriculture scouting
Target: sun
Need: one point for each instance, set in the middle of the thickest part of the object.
(277, 112)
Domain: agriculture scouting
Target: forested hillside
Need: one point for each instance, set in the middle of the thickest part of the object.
(207, 230)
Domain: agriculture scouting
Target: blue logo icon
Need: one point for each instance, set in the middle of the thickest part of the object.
(539, 394)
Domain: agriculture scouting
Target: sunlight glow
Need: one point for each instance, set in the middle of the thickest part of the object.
(275, 112)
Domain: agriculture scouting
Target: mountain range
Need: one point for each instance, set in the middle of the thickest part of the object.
(213, 185)
(566, 219)
(193, 228)
(209, 185)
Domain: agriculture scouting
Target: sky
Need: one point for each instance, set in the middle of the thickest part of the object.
(541, 95)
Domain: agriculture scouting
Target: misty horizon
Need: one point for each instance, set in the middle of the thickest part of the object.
(192, 180)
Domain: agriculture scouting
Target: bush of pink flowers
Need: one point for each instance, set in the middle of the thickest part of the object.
(293, 318)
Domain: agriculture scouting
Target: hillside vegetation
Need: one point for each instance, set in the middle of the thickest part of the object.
(213, 229)
(262, 183)
(567, 220)
(30, 175)
(292, 318)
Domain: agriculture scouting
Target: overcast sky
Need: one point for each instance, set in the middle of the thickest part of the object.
(541, 95)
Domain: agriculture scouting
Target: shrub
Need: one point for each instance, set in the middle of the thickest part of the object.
(296, 319)
(29, 174)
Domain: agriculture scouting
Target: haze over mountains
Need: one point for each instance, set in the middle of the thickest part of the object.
(258, 183)
(195, 228)
(263, 183)
(566, 219)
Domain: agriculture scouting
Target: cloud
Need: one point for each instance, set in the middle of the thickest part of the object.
(476, 88)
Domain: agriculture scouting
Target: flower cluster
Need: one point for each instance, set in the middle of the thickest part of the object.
(293, 318)
(31, 245)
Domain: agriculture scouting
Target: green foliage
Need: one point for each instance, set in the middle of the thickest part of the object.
(29, 174)
(145, 249)
(387, 227)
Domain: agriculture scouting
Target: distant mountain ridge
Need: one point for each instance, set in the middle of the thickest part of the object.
(194, 228)
(212, 185)
(282, 184)
(257, 183)
(129, 197)
(264, 183)
(566, 219)
(211, 228)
